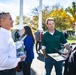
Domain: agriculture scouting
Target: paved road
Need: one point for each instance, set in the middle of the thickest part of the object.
(37, 67)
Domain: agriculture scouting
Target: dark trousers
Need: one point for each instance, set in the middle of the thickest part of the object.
(49, 63)
(8, 72)
(26, 68)
(38, 46)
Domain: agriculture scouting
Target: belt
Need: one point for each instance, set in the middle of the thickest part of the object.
(7, 70)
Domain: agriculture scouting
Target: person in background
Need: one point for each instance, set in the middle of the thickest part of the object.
(65, 34)
(38, 41)
(52, 40)
(8, 59)
(41, 35)
(29, 47)
(17, 36)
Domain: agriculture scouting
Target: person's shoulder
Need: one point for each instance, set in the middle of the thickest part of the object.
(29, 37)
(60, 32)
(45, 33)
(2, 34)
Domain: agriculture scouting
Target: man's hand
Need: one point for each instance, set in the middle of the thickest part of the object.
(45, 56)
(23, 58)
(65, 55)
(44, 53)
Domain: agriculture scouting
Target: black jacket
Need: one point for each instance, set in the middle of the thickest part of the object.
(70, 64)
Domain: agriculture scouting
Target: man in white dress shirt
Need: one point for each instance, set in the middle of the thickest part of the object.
(8, 59)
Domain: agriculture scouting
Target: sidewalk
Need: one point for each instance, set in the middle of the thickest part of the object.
(37, 67)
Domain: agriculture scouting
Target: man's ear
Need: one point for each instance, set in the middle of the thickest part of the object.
(2, 20)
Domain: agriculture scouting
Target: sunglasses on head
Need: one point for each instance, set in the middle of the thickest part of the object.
(2, 14)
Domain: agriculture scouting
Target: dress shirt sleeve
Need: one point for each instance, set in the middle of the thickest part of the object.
(8, 57)
(9, 62)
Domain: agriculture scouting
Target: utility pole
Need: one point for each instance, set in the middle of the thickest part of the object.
(40, 16)
(20, 26)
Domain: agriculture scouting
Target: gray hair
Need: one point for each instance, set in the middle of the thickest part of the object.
(3, 15)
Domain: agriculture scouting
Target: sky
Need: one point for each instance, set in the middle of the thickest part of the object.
(13, 6)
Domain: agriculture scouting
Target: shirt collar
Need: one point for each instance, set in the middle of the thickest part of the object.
(52, 33)
(5, 31)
